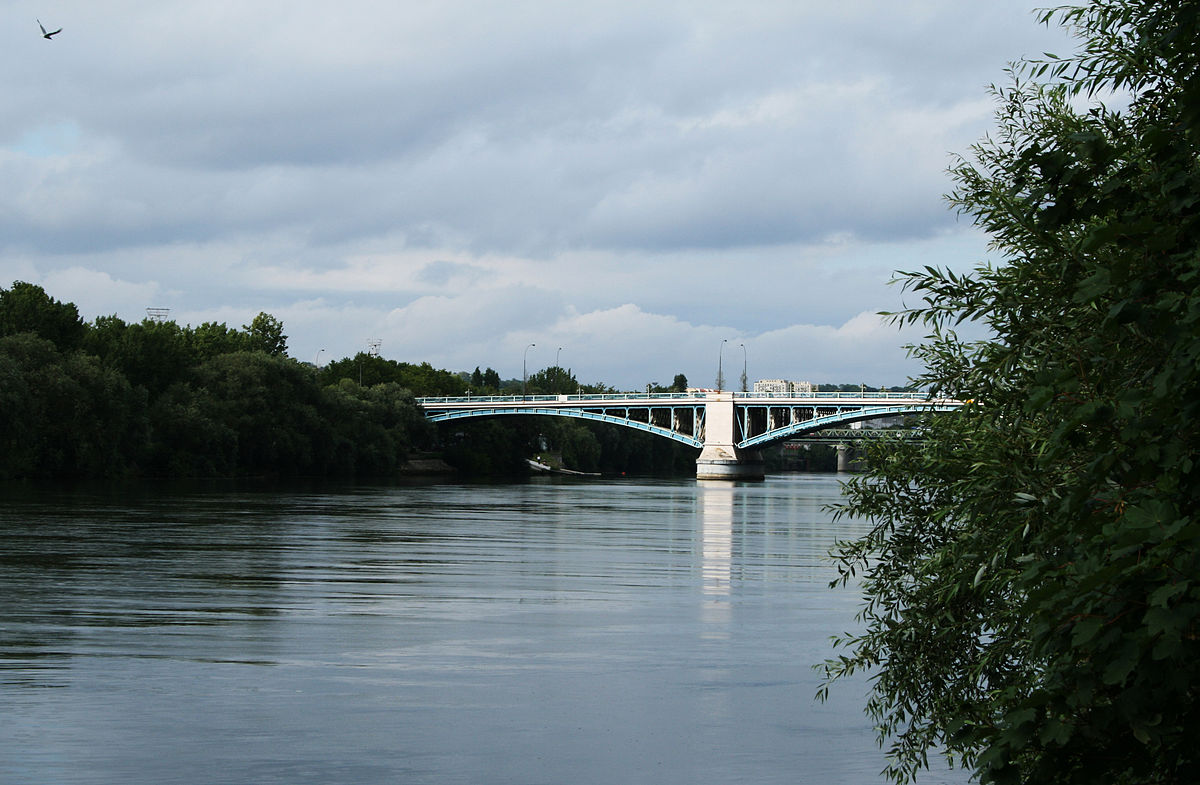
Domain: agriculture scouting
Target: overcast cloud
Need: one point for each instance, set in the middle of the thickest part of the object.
(631, 182)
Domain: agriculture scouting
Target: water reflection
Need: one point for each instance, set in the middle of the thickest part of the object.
(716, 533)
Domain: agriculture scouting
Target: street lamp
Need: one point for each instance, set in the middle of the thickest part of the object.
(720, 365)
(524, 373)
(317, 361)
(743, 366)
(556, 354)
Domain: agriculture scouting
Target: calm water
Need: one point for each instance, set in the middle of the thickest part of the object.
(550, 632)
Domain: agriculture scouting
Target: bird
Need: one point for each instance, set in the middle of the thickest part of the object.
(47, 36)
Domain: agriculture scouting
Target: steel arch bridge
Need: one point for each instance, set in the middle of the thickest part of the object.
(728, 427)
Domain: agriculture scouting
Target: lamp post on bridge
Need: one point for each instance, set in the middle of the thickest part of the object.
(524, 372)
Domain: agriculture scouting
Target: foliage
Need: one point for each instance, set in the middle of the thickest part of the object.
(373, 429)
(155, 399)
(213, 338)
(265, 334)
(485, 382)
(552, 381)
(151, 354)
(490, 447)
(1031, 573)
(678, 385)
(65, 415)
(26, 308)
(369, 370)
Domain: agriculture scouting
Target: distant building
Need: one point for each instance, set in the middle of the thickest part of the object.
(782, 387)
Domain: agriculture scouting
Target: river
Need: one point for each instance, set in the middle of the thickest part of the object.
(574, 632)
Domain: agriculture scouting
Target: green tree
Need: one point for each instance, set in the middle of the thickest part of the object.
(374, 428)
(272, 404)
(1031, 574)
(552, 381)
(65, 415)
(266, 335)
(490, 447)
(213, 338)
(190, 438)
(371, 369)
(151, 354)
(26, 308)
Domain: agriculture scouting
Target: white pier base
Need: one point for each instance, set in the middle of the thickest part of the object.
(730, 463)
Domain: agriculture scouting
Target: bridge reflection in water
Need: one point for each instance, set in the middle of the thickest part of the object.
(729, 428)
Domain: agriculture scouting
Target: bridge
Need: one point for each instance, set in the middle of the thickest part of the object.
(729, 428)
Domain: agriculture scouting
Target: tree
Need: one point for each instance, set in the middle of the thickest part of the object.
(552, 381)
(1033, 608)
(151, 354)
(64, 415)
(213, 338)
(26, 308)
(369, 370)
(273, 406)
(266, 335)
(680, 384)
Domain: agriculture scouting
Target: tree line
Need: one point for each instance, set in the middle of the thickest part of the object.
(153, 398)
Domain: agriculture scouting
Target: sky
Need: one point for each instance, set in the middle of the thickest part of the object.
(630, 189)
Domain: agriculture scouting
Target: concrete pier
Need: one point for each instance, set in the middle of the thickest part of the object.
(845, 452)
(721, 463)
(720, 459)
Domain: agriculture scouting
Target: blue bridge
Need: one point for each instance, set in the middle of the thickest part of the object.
(729, 428)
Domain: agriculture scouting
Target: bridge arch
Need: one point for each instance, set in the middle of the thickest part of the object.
(831, 420)
(581, 414)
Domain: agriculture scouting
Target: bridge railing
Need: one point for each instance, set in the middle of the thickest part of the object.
(559, 398)
(873, 395)
(676, 396)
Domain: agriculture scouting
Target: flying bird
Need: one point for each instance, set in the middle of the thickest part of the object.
(47, 36)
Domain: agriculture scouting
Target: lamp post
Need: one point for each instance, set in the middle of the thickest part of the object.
(317, 360)
(556, 354)
(524, 373)
(720, 365)
(743, 366)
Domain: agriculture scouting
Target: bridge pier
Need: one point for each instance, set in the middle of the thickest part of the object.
(844, 453)
(730, 463)
(720, 459)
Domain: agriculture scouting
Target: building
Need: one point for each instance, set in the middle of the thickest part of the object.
(782, 387)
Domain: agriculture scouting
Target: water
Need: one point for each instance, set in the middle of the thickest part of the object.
(549, 632)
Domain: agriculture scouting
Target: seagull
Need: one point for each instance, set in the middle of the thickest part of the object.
(46, 35)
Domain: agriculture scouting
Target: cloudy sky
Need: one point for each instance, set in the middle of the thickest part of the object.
(623, 184)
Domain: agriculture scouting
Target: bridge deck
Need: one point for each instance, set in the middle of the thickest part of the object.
(671, 398)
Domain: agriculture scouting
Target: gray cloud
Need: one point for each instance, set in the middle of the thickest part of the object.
(715, 167)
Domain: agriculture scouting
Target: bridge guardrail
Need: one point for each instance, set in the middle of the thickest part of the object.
(697, 395)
